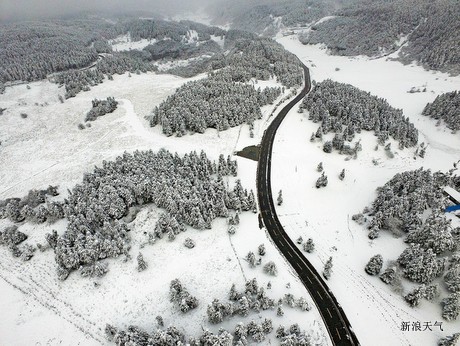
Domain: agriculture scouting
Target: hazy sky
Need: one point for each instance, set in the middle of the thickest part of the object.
(29, 9)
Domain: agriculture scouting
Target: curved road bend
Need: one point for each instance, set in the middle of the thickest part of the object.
(334, 318)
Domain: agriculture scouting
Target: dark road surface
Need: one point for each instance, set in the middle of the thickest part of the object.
(334, 318)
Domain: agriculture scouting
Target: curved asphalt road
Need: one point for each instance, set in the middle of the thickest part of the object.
(336, 322)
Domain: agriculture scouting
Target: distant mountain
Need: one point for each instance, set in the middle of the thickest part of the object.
(266, 17)
(426, 31)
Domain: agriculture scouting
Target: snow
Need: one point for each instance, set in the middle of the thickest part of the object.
(124, 43)
(375, 312)
(48, 148)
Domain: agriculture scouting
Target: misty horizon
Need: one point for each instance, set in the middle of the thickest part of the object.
(14, 10)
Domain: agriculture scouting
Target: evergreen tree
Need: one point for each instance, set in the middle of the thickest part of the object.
(309, 246)
(279, 200)
(374, 265)
(141, 264)
(327, 268)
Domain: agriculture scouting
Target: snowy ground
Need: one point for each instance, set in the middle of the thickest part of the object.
(48, 148)
(374, 311)
(124, 42)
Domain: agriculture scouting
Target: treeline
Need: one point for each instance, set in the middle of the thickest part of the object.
(346, 110)
(445, 107)
(161, 29)
(412, 205)
(190, 189)
(76, 81)
(375, 28)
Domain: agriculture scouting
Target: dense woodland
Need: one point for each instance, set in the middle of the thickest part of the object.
(411, 205)
(36, 50)
(445, 108)
(32, 50)
(190, 189)
(225, 99)
(265, 17)
(346, 110)
(376, 28)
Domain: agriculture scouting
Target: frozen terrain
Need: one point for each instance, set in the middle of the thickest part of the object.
(48, 148)
(374, 311)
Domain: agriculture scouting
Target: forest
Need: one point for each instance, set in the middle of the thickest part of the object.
(346, 110)
(76, 53)
(411, 206)
(261, 16)
(377, 28)
(445, 108)
(225, 98)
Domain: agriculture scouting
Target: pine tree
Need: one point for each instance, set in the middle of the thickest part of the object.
(270, 268)
(342, 174)
(141, 264)
(279, 311)
(261, 250)
(280, 198)
(450, 340)
(309, 246)
(320, 167)
(189, 243)
(327, 268)
(374, 265)
(251, 258)
(451, 307)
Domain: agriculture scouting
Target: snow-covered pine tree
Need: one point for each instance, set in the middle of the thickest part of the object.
(374, 265)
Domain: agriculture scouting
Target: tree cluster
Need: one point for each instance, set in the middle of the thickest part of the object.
(34, 207)
(179, 295)
(445, 107)
(76, 81)
(100, 108)
(346, 110)
(190, 189)
(253, 298)
(401, 202)
(207, 103)
(412, 204)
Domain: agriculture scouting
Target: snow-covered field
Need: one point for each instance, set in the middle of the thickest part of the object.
(375, 312)
(48, 148)
(124, 42)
